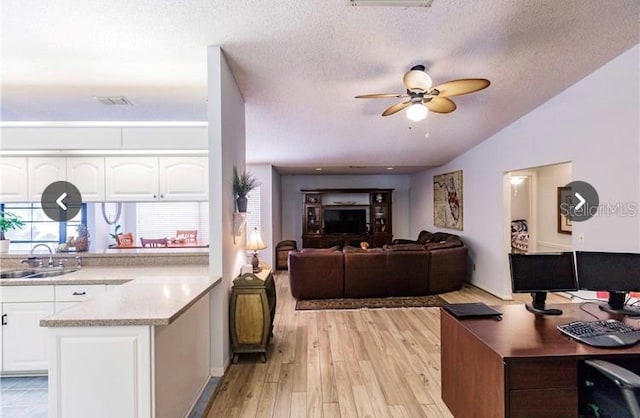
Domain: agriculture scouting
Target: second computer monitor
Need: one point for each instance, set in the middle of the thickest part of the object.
(617, 273)
(539, 273)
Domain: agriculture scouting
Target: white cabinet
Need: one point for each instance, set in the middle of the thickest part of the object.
(13, 179)
(183, 178)
(87, 174)
(24, 341)
(42, 172)
(131, 179)
(140, 179)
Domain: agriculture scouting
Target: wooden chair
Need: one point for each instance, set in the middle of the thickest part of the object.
(125, 240)
(154, 242)
(187, 234)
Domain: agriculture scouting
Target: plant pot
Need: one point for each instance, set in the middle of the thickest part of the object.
(4, 246)
(242, 204)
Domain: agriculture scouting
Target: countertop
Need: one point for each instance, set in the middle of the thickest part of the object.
(145, 295)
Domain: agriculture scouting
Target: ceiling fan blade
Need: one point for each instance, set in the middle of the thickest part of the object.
(417, 80)
(463, 86)
(382, 96)
(441, 105)
(395, 108)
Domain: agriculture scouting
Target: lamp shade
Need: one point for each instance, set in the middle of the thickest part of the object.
(255, 241)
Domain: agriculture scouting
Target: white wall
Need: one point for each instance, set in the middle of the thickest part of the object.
(549, 179)
(292, 198)
(226, 149)
(600, 136)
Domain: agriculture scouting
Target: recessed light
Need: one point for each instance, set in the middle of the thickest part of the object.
(318, 168)
(389, 168)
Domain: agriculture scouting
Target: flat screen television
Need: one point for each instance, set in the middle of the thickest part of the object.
(539, 273)
(345, 221)
(617, 273)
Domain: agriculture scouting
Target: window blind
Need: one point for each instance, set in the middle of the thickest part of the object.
(160, 220)
(253, 211)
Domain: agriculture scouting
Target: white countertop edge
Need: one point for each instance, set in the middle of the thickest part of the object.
(53, 322)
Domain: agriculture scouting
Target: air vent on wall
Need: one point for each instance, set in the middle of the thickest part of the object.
(392, 3)
(114, 100)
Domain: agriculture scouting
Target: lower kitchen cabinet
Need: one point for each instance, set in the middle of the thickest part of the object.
(23, 340)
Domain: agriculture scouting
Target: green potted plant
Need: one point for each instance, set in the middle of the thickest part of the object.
(243, 183)
(8, 222)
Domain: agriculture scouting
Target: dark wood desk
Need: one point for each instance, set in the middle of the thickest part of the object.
(521, 366)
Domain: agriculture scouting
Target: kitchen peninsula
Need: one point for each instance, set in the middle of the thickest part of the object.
(138, 348)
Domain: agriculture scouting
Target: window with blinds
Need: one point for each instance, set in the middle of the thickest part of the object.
(160, 220)
(253, 211)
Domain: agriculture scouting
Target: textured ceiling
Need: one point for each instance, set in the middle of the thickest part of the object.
(300, 62)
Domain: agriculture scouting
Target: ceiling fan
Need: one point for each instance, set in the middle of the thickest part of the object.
(422, 97)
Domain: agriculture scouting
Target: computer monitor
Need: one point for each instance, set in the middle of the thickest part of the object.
(617, 273)
(539, 273)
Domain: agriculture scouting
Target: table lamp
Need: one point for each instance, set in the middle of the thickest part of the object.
(255, 243)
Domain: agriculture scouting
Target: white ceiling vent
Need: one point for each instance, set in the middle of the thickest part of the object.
(392, 3)
(114, 100)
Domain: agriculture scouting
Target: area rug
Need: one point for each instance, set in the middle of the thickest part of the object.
(371, 303)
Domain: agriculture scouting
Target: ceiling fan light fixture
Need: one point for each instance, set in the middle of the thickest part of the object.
(417, 112)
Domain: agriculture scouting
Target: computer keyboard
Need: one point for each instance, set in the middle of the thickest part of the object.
(605, 333)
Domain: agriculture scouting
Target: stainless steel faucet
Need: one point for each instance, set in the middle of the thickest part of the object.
(50, 263)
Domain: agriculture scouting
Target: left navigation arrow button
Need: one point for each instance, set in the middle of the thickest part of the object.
(60, 201)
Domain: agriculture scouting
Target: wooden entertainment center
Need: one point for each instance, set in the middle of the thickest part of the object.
(329, 214)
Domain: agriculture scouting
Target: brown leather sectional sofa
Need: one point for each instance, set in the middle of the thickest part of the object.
(395, 270)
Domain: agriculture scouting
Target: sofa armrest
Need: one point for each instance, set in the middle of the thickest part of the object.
(447, 270)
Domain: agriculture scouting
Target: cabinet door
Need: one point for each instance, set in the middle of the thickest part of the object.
(87, 174)
(13, 179)
(131, 179)
(184, 178)
(23, 340)
(42, 172)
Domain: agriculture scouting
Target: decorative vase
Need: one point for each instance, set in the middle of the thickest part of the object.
(4, 246)
(81, 244)
(241, 201)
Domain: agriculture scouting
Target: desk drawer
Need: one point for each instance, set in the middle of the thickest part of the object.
(544, 403)
(542, 373)
(78, 293)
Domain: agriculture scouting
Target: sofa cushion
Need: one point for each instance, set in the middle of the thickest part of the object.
(321, 250)
(451, 243)
(405, 247)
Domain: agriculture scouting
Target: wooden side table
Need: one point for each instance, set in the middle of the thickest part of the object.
(251, 312)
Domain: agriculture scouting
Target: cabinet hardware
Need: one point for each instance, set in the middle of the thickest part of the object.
(4, 319)
(79, 293)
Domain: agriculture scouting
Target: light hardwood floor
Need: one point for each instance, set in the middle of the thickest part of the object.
(344, 363)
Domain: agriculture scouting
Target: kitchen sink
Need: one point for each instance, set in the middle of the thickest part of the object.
(35, 274)
(16, 274)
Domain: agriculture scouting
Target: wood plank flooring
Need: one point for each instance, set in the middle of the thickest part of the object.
(344, 363)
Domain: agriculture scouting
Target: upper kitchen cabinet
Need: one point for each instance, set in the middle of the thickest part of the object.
(42, 172)
(61, 138)
(131, 179)
(166, 137)
(184, 178)
(13, 179)
(143, 179)
(87, 174)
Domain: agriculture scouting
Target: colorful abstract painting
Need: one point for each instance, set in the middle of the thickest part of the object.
(447, 200)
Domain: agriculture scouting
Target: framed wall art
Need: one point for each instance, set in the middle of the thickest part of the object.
(564, 203)
(447, 200)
